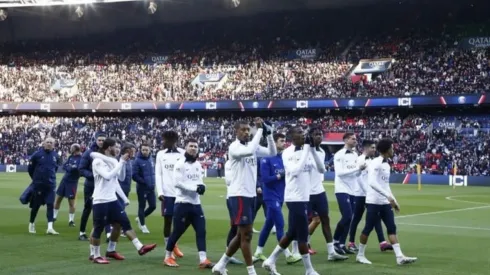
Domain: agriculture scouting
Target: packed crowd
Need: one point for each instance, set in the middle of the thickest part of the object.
(265, 67)
(417, 140)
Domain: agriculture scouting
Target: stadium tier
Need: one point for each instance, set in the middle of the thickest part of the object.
(434, 141)
(285, 62)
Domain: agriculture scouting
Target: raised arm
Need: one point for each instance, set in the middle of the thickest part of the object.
(271, 149)
(319, 160)
(290, 164)
(122, 174)
(248, 150)
(107, 175)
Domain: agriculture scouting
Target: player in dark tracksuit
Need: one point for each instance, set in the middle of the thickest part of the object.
(42, 169)
(85, 168)
(144, 176)
(69, 184)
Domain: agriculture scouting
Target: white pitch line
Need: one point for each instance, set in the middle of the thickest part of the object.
(443, 212)
(447, 226)
(452, 198)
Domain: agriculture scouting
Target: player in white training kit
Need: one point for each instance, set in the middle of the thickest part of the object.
(242, 191)
(318, 205)
(380, 204)
(360, 190)
(233, 228)
(164, 181)
(346, 171)
(299, 160)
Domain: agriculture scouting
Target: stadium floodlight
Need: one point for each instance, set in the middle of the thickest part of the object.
(79, 11)
(3, 14)
(235, 3)
(152, 7)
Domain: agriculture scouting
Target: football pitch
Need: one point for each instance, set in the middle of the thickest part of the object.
(447, 229)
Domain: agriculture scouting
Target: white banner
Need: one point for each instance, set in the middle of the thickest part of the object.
(11, 168)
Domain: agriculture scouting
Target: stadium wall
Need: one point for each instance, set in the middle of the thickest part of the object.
(457, 180)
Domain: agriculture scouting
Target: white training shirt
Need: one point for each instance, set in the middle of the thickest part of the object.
(106, 171)
(243, 162)
(360, 189)
(164, 171)
(298, 166)
(379, 182)
(318, 173)
(228, 176)
(346, 170)
(186, 178)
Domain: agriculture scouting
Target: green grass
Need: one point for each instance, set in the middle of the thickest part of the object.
(452, 240)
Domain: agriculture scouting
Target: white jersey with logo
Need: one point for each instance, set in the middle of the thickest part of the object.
(106, 171)
(362, 177)
(318, 174)
(243, 163)
(298, 166)
(186, 178)
(164, 171)
(379, 182)
(346, 170)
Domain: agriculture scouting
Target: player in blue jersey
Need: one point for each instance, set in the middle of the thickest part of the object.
(272, 177)
(69, 183)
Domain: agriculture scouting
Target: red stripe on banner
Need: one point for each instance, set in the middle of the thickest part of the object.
(240, 211)
(406, 179)
(482, 100)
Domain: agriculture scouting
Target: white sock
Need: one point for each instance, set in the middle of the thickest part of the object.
(295, 247)
(168, 254)
(397, 250)
(330, 248)
(307, 263)
(287, 253)
(71, 217)
(259, 250)
(166, 240)
(202, 256)
(362, 250)
(92, 251)
(275, 254)
(50, 225)
(224, 260)
(137, 243)
(82, 233)
(55, 213)
(112, 246)
(251, 270)
(96, 251)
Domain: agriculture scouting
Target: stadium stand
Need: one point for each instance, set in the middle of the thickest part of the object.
(417, 137)
(428, 60)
